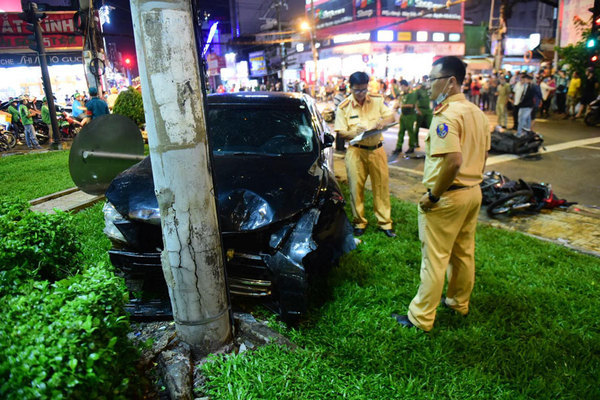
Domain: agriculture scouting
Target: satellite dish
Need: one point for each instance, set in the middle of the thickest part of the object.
(104, 148)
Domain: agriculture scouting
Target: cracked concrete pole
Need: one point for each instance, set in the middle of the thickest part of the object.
(192, 259)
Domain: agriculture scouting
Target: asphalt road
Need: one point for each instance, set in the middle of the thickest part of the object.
(571, 161)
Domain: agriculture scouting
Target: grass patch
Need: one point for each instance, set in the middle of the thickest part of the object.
(34, 175)
(532, 331)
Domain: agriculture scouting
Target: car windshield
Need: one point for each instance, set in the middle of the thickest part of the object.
(265, 131)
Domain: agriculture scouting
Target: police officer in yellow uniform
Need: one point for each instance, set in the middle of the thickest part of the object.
(456, 148)
(356, 114)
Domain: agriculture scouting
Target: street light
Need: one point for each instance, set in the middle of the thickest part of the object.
(310, 28)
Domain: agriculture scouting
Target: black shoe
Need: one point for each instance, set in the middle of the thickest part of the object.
(452, 310)
(389, 232)
(403, 321)
(410, 150)
(396, 152)
(359, 231)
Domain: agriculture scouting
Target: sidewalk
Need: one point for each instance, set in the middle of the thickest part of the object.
(577, 227)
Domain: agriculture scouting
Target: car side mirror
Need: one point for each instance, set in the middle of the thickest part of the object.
(328, 139)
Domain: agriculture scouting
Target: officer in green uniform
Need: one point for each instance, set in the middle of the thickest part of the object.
(424, 113)
(46, 116)
(408, 119)
(14, 112)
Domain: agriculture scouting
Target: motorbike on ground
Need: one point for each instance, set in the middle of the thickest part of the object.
(505, 197)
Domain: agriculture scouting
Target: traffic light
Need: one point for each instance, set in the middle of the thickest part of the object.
(128, 62)
(593, 42)
(32, 17)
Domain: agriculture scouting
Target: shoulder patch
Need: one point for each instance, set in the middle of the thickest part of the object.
(440, 108)
(344, 103)
(442, 130)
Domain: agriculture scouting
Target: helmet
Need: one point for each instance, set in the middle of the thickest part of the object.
(93, 91)
(44, 99)
(114, 90)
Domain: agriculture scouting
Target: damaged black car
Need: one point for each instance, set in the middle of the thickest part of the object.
(281, 211)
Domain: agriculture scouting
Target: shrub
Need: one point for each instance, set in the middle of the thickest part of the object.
(36, 245)
(66, 340)
(130, 104)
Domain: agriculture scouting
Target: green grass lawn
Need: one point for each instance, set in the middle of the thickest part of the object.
(533, 330)
(33, 175)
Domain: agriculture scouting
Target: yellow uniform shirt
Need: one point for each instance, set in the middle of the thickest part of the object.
(458, 126)
(574, 86)
(350, 114)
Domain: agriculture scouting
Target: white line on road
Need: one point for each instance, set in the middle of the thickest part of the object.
(591, 147)
(549, 149)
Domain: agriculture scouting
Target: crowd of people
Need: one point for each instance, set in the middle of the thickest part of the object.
(84, 108)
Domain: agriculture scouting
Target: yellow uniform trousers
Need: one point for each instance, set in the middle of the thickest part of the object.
(360, 164)
(447, 234)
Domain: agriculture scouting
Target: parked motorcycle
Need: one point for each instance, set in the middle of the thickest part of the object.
(592, 117)
(504, 196)
(69, 127)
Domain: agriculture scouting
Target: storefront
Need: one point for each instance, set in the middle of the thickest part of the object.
(381, 37)
(20, 66)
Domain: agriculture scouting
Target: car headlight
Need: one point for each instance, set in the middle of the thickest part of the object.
(149, 215)
(110, 216)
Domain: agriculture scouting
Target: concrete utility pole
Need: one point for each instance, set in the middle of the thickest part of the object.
(278, 6)
(192, 258)
(315, 54)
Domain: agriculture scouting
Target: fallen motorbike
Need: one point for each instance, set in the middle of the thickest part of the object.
(504, 196)
(504, 141)
(592, 117)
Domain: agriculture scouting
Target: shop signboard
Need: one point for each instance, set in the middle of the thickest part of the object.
(58, 29)
(33, 60)
(258, 64)
(413, 8)
(214, 63)
(332, 12)
(365, 8)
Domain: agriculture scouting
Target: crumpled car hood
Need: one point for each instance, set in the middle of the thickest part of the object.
(252, 191)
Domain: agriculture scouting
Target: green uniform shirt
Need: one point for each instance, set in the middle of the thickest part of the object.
(409, 98)
(24, 113)
(14, 113)
(422, 98)
(45, 114)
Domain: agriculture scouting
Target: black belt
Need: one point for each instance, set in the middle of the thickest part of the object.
(455, 187)
(360, 146)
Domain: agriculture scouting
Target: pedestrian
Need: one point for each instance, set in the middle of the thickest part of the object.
(457, 146)
(573, 95)
(26, 115)
(467, 87)
(485, 94)
(476, 91)
(526, 105)
(46, 116)
(340, 96)
(493, 92)
(95, 107)
(503, 94)
(112, 98)
(517, 90)
(424, 113)
(562, 85)
(359, 112)
(408, 119)
(588, 92)
(547, 88)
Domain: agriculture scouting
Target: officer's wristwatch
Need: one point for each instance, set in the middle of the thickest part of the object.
(432, 198)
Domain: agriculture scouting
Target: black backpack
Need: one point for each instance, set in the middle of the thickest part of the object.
(509, 142)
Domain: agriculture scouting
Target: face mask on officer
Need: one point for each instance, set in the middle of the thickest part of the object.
(443, 95)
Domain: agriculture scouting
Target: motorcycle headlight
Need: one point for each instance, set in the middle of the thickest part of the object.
(110, 216)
